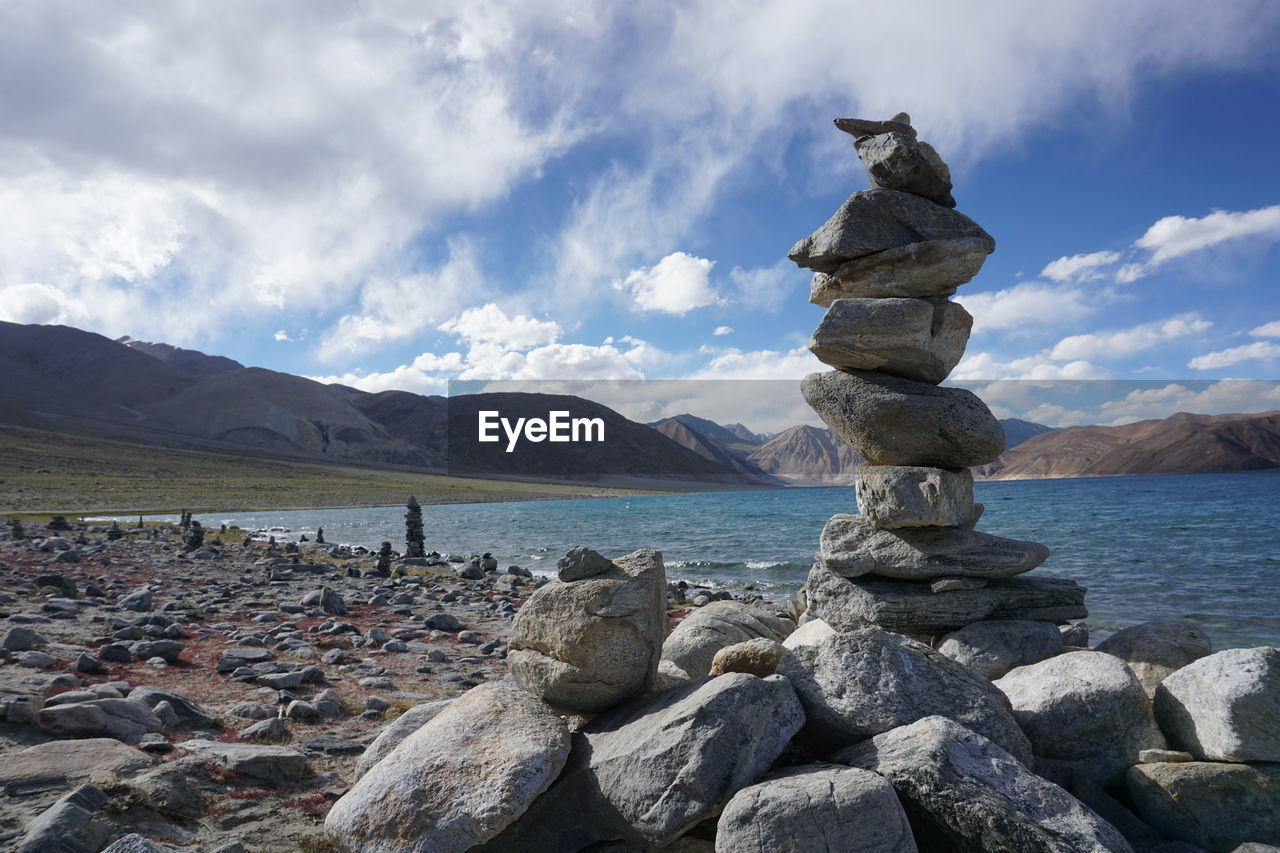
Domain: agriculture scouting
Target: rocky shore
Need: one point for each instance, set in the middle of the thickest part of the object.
(156, 697)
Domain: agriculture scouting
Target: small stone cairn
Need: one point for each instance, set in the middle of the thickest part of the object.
(884, 266)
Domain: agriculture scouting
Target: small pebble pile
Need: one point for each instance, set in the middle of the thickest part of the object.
(885, 265)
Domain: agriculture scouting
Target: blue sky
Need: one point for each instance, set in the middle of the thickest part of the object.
(399, 194)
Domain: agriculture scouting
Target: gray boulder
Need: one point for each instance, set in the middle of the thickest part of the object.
(1086, 715)
(873, 220)
(1224, 707)
(327, 600)
(851, 546)
(21, 639)
(458, 780)
(587, 645)
(966, 794)
(135, 843)
(927, 269)
(121, 719)
(993, 647)
(68, 826)
(896, 496)
(394, 733)
(892, 421)
(859, 128)
(895, 161)
(581, 562)
(692, 645)
(1213, 805)
(862, 683)
(908, 607)
(139, 600)
(274, 764)
(1155, 650)
(912, 338)
(647, 772)
(188, 711)
(811, 809)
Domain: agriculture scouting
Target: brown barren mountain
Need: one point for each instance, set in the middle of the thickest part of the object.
(1180, 444)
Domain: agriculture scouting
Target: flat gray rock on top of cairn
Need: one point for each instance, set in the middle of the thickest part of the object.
(966, 794)
(928, 268)
(894, 496)
(861, 127)
(811, 809)
(850, 546)
(911, 607)
(912, 338)
(873, 220)
(589, 644)
(894, 421)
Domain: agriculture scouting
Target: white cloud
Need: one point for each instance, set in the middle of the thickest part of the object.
(722, 330)
(1175, 236)
(1224, 397)
(282, 335)
(1130, 273)
(766, 288)
(734, 363)
(489, 324)
(394, 308)
(1259, 350)
(32, 302)
(144, 169)
(1027, 304)
(1267, 330)
(1122, 342)
(1079, 267)
(982, 366)
(674, 285)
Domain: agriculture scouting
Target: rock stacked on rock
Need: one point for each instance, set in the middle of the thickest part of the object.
(884, 265)
(413, 535)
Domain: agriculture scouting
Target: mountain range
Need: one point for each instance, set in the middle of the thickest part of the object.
(65, 379)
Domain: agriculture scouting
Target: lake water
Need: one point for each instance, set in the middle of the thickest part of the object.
(1200, 547)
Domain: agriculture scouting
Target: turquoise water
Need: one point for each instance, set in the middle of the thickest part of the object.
(1201, 547)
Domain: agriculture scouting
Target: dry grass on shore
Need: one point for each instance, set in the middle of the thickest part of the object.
(46, 472)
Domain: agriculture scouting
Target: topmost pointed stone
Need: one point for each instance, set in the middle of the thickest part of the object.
(896, 160)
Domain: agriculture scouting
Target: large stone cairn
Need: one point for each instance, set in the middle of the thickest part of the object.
(414, 538)
(884, 266)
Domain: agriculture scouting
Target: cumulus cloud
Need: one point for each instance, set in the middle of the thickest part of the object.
(1267, 330)
(766, 288)
(1175, 236)
(1122, 342)
(674, 285)
(733, 363)
(982, 366)
(1028, 304)
(1079, 267)
(1223, 397)
(1259, 350)
(722, 330)
(489, 324)
(154, 159)
(33, 302)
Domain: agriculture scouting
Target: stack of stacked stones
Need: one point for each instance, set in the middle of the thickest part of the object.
(885, 264)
